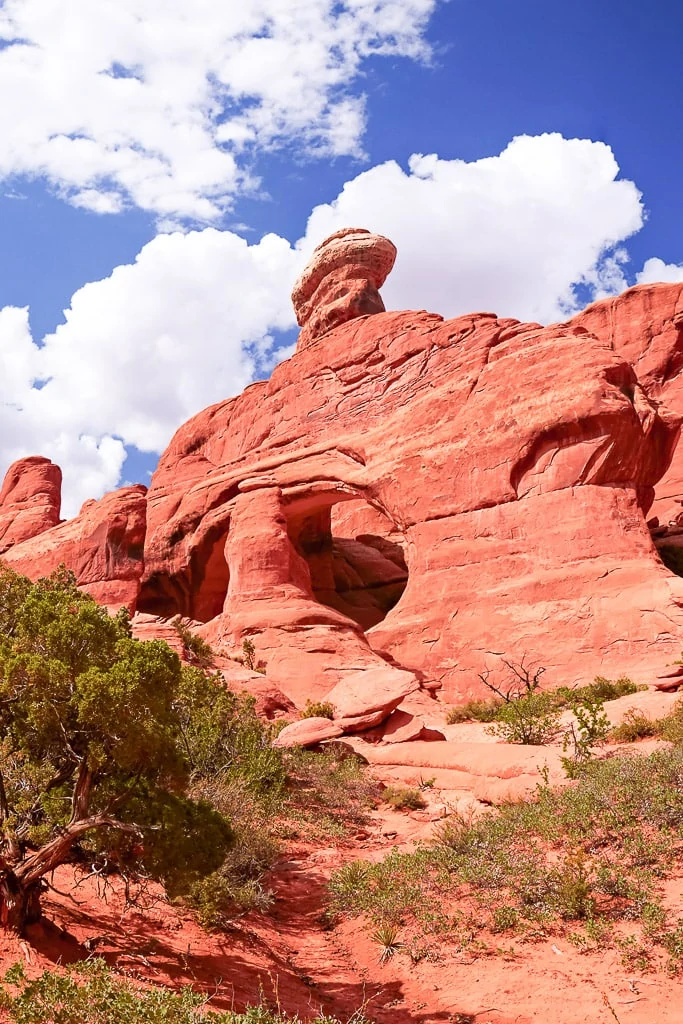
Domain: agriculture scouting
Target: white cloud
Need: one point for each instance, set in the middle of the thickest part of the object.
(511, 234)
(140, 352)
(163, 103)
(655, 270)
(182, 327)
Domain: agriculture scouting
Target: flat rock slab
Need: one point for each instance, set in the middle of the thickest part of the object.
(308, 732)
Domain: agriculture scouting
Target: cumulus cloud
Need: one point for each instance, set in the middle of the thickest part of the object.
(197, 314)
(163, 103)
(512, 234)
(187, 324)
(655, 269)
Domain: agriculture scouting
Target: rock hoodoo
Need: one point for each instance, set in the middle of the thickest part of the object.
(407, 499)
(342, 282)
(30, 500)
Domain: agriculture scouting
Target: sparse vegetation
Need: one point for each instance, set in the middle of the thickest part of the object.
(593, 852)
(636, 726)
(402, 798)
(318, 709)
(195, 648)
(473, 711)
(92, 994)
(564, 696)
(249, 654)
(526, 714)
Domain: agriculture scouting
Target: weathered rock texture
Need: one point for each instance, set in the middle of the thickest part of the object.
(645, 325)
(103, 546)
(412, 498)
(342, 282)
(30, 500)
(510, 466)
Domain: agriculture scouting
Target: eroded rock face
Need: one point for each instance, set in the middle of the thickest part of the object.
(103, 545)
(30, 500)
(342, 282)
(645, 325)
(512, 463)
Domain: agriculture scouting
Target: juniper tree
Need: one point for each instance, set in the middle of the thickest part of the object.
(93, 758)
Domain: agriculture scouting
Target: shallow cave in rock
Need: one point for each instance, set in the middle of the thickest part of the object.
(356, 558)
(199, 592)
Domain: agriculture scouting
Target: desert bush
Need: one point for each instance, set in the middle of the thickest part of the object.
(525, 714)
(318, 709)
(91, 993)
(593, 851)
(249, 654)
(590, 728)
(672, 724)
(635, 726)
(196, 649)
(473, 711)
(403, 798)
(600, 689)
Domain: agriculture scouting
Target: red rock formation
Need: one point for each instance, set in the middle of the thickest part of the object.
(406, 490)
(645, 325)
(342, 282)
(511, 462)
(29, 501)
(103, 546)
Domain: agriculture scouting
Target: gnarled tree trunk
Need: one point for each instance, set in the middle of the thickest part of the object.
(19, 903)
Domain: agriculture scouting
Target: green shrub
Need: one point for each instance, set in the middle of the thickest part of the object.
(600, 689)
(402, 798)
(635, 726)
(196, 649)
(90, 993)
(590, 728)
(473, 711)
(672, 724)
(318, 709)
(249, 654)
(95, 763)
(529, 719)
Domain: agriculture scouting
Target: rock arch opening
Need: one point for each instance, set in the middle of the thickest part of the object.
(356, 558)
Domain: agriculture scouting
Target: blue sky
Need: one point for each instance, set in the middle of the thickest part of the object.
(139, 205)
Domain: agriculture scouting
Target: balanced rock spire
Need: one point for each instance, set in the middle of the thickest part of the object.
(341, 282)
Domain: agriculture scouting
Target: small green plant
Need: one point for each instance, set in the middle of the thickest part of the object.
(402, 798)
(504, 919)
(195, 648)
(635, 726)
(525, 715)
(318, 709)
(249, 654)
(589, 729)
(386, 936)
(473, 711)
(672, 725)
